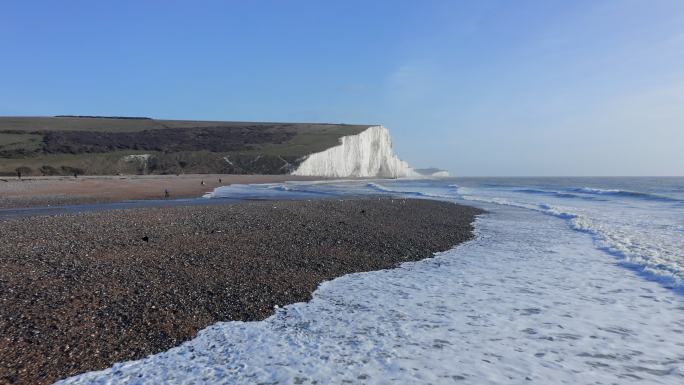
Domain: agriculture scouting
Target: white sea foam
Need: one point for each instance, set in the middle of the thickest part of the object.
(642, 235)
(528, 301)
(591, 190)
(417, 192)
(625, 193)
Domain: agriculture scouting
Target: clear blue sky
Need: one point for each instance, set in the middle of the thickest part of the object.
(478, 87)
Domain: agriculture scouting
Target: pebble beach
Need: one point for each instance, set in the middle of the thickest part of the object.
(81, 292)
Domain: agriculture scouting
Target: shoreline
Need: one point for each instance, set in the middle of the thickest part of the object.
(89, 290)
(61, 191)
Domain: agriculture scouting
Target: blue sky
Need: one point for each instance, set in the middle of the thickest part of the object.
(478, 87)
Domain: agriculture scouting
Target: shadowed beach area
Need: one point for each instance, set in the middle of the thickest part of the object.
(81, 292)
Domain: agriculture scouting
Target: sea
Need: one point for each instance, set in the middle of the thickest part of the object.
(568, 281)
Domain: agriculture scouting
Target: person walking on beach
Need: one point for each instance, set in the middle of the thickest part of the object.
(166, 193)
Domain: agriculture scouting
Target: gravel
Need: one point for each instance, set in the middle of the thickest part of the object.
(81, 292)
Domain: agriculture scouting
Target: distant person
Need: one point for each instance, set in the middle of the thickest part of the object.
(202, 183)
(220, 181)
(75, 175)
(19, 174)
(166, 193)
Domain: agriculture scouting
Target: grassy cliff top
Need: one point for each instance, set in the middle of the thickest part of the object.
(132, 124)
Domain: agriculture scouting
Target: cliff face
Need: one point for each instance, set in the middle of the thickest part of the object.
(368, 154)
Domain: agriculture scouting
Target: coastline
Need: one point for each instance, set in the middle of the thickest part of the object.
(61, 190)
(93, 289)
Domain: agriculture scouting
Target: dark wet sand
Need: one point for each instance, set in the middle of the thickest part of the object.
(81, 292)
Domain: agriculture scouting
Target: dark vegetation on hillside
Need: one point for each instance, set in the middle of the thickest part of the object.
(100, 145)
(102, 117)
(214, 139)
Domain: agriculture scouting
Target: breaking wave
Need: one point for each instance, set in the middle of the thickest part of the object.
(416, 193)
(558, 194)
(624, 193)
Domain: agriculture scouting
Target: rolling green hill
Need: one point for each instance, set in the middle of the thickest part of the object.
(66, 145)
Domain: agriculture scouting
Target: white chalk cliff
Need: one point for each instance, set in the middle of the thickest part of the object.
(367, 154)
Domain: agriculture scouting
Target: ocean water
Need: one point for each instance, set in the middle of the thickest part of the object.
(638, 220)
(575, 281)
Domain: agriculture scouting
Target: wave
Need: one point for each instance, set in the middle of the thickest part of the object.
(557, 194)
(299, 189)
(638, 255)
(624, 193)
(384, 189)
(280, 187)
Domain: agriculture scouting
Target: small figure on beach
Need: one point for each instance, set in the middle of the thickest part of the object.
(220, 181)
(21, 171)
(202, 183)
(166, 193)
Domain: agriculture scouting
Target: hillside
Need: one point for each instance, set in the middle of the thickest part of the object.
(65, 145)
